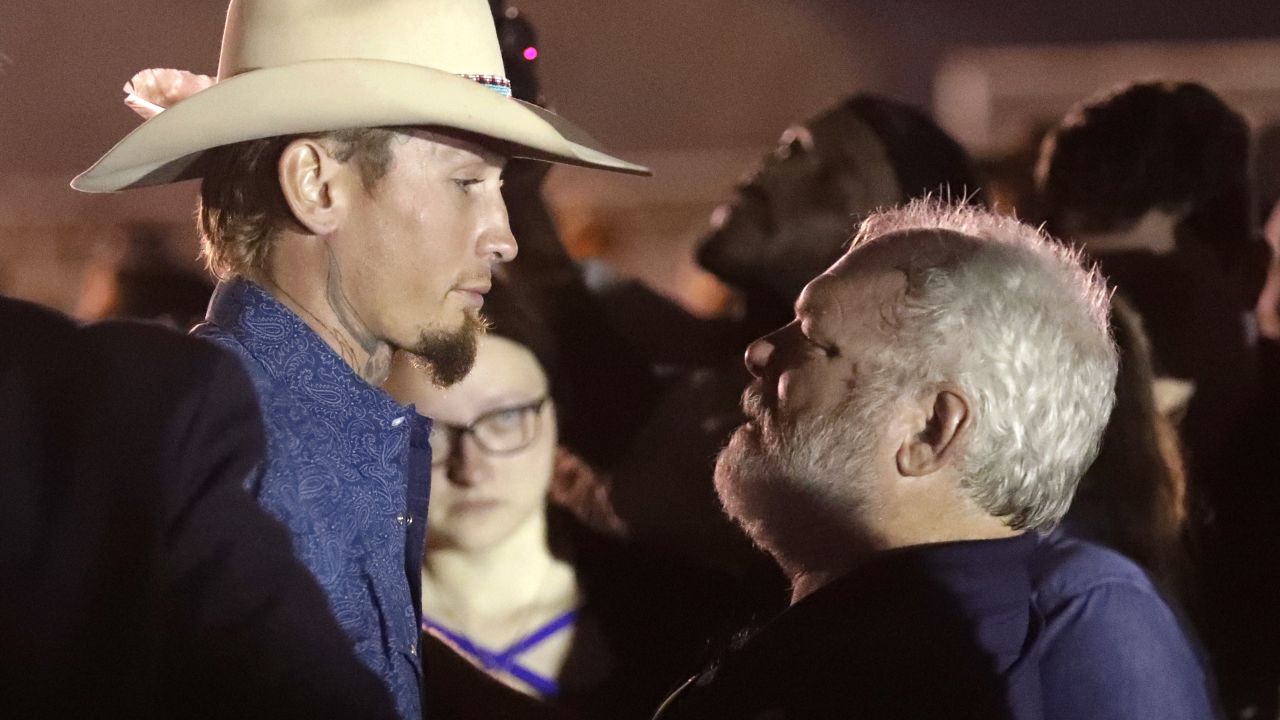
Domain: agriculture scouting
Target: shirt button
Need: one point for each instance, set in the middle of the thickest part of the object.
(413, 649)
(404, 519)
(398, 421)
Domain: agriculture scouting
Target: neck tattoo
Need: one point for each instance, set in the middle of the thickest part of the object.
(371, 360)
(377, 353)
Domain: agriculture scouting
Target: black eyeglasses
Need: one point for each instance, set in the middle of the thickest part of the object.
(501, 431)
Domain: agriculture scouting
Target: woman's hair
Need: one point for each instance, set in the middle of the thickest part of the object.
(1133, 497)
(242, 207)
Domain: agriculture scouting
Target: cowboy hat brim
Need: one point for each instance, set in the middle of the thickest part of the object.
(322, 95)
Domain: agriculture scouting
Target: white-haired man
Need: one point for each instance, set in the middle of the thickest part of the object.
(351, 154)
(911, 435)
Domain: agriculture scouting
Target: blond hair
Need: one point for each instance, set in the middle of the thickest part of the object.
(241, 205)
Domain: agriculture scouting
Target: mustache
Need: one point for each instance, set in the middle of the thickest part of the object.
(753, 402)
(483, 279)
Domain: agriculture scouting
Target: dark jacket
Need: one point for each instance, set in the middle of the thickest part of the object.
(927, 632)
(1029, 627)
(137, 578)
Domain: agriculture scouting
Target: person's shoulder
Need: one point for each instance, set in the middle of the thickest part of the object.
(265, 385)
(150, 346)
(1093, 596)
(215, 335)
(1111, 646)
(160, 357)
(30, 331)
(1065, 565)
(118, 351)
(18, 314)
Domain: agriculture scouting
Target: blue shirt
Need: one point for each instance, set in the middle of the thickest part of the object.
(347, 471)
(1052, 628)
(1111, 648)
(930, 631)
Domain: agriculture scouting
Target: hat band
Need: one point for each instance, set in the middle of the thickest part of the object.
(496, 83)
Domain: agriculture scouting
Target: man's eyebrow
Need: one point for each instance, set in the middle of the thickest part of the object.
(471, 156)
(464, 162)
(492, 156)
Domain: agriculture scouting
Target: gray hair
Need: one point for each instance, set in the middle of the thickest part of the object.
(1013, 318)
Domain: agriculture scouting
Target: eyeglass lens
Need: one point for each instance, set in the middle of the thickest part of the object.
(498, 432)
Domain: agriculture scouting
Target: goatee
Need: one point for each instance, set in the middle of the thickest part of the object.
(447, 355)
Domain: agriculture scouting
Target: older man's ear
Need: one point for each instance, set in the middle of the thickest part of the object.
(940, 425)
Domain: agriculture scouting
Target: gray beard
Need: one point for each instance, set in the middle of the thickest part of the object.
(794, 490)
(449, 354)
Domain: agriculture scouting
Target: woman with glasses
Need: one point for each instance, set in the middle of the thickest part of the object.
(581, 620)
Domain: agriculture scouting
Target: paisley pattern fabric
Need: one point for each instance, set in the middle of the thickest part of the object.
(347, 471)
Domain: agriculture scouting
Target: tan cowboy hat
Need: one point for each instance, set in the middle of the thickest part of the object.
(300, 66)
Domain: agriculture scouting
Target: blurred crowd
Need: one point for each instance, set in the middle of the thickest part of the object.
(576, 548)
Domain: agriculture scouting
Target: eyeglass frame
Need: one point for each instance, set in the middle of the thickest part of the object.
(458, 432)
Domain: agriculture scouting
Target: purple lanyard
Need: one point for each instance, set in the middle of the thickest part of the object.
(507, 661)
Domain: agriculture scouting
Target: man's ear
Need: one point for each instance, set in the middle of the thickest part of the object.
(941, 429)
(309, 181)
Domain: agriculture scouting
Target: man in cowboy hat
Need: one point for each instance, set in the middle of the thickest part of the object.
(351, 155)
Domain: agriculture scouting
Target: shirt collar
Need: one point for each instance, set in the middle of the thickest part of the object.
(986, 581)
(275, 336)
(972, 574)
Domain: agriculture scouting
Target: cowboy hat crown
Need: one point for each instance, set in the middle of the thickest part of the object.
(454, 37)
(300, 66)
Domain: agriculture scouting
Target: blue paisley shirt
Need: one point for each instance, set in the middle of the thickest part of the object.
(347, 471)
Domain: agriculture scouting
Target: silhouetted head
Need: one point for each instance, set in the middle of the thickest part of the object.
(1172, 147)
(796, 214)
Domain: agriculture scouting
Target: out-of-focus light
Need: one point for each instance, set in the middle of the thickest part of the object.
(531, 53)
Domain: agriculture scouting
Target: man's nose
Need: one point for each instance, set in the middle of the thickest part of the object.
(758, 354)
(497, 244)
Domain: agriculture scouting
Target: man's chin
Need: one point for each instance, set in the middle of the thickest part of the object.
(746, 480)
(737, 466)
(449, 354)
(752, 437)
